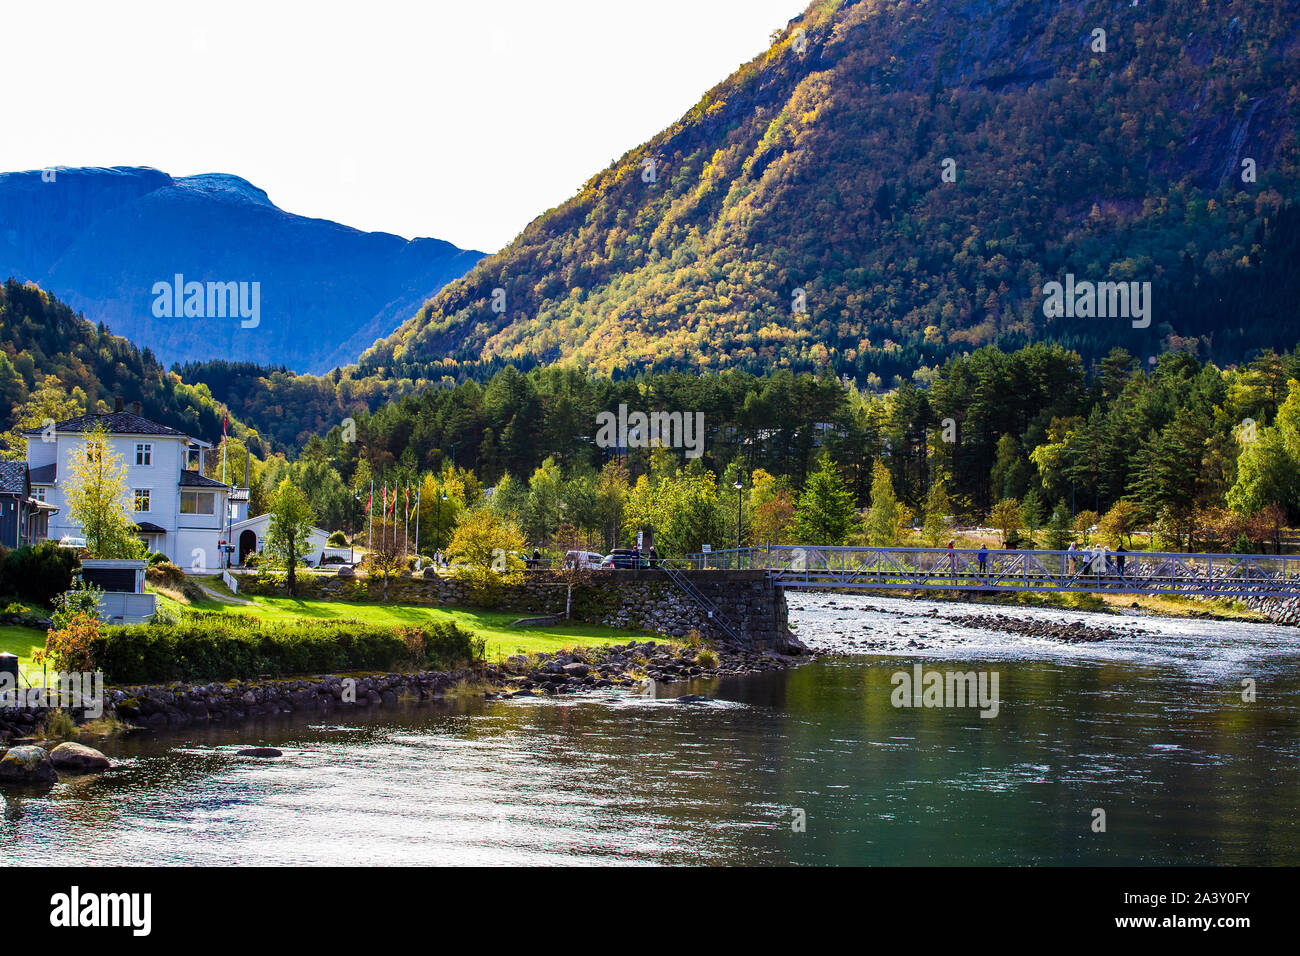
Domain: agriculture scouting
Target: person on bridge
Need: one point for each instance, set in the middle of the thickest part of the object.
(1119, 559)
(1074, 556)
(984, 558)
(653, 555)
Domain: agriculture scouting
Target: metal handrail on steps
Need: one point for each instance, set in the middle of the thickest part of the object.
(701, 601)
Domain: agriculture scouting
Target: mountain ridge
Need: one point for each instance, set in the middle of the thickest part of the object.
(100, 238)
(821, 170)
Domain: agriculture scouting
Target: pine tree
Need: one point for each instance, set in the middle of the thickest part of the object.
(824, 514)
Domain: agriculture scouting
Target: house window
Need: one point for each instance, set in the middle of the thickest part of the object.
(144, 453)
(198, 503)
(142, 499)
(40, 494)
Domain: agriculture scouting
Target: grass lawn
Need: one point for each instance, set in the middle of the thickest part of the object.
(23, 642)
(493, 626)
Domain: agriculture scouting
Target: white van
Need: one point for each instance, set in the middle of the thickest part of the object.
(582, 559)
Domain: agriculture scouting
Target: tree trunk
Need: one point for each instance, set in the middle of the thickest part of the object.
(291, 584)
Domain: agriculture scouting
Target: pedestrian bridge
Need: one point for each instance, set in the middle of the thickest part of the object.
(940, 569)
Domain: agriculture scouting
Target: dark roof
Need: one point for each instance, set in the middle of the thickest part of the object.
(44, 474)
(192, 479)
(13, 478)
(148, 527)
(116, 423)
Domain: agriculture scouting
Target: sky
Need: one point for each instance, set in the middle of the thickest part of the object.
(463, 121)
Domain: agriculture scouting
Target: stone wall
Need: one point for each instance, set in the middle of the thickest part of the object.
(1278, 610)
(645, 600)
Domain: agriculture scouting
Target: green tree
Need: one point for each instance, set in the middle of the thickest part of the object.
(883, 518)
(937, 511)
(1059, 533)
(288, 537)
(484, 550)
(96, 493)
(824, 514)
(1006, 518)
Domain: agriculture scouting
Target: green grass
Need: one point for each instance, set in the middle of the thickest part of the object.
(23, 642)
(493, 626)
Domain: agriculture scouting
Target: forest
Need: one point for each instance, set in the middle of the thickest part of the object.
(1196, 455)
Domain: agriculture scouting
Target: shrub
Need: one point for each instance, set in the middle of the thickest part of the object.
(707, 658)
(82, 599)
(36, 573)
(337, 540)
(165, 573)
(71, 647)
(221, 646)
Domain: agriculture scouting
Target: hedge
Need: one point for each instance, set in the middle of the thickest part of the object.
(214, 646)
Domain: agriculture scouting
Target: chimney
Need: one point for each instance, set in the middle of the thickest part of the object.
(136, 408)
(117, 403)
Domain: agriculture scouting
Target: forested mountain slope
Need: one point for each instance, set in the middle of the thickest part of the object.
(1166, 157)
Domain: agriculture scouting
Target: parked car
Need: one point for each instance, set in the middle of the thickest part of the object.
(583, 559)
(625, 558)
(68, 541)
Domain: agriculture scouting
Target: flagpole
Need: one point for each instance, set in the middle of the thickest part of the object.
(406, 524)
(370, 507)
(417, 520)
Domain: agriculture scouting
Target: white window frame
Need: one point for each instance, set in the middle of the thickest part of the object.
(144, 454)
(148, 501)
(211, 496)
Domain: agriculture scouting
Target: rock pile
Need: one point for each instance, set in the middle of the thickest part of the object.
(1068, 632)
(624, 665)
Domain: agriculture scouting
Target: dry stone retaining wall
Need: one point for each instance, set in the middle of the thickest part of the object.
(646, 600)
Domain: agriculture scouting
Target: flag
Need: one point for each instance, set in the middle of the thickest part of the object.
(371, 499)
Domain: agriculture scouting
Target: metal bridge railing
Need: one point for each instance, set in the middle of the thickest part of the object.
(1137, 572)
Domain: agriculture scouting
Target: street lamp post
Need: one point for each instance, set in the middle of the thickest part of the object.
(738, 486)
(437, 532)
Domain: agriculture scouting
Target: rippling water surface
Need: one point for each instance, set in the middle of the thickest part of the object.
(1151, 728)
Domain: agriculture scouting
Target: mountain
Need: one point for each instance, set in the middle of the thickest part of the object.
(101, 239)
(894, 182)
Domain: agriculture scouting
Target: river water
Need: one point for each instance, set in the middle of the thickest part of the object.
(810, 766)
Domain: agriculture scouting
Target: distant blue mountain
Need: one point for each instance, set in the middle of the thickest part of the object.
(102, 239)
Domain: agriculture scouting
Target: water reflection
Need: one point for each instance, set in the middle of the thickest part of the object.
(1186, 772)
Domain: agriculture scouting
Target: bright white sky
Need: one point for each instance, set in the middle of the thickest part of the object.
(460, 120)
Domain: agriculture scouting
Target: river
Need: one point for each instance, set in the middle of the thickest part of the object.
(809, 766)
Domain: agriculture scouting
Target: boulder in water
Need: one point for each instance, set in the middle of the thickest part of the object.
(264, 752)
(27, 765)
(78, 758)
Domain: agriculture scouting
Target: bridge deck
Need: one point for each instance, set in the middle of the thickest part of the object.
(939, 569)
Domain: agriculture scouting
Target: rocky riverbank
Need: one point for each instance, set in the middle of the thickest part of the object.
(182, 705)
(632, 665)
(627, 665)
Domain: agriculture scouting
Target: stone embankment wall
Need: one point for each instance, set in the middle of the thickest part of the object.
(646, 600)
(1277, 610)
